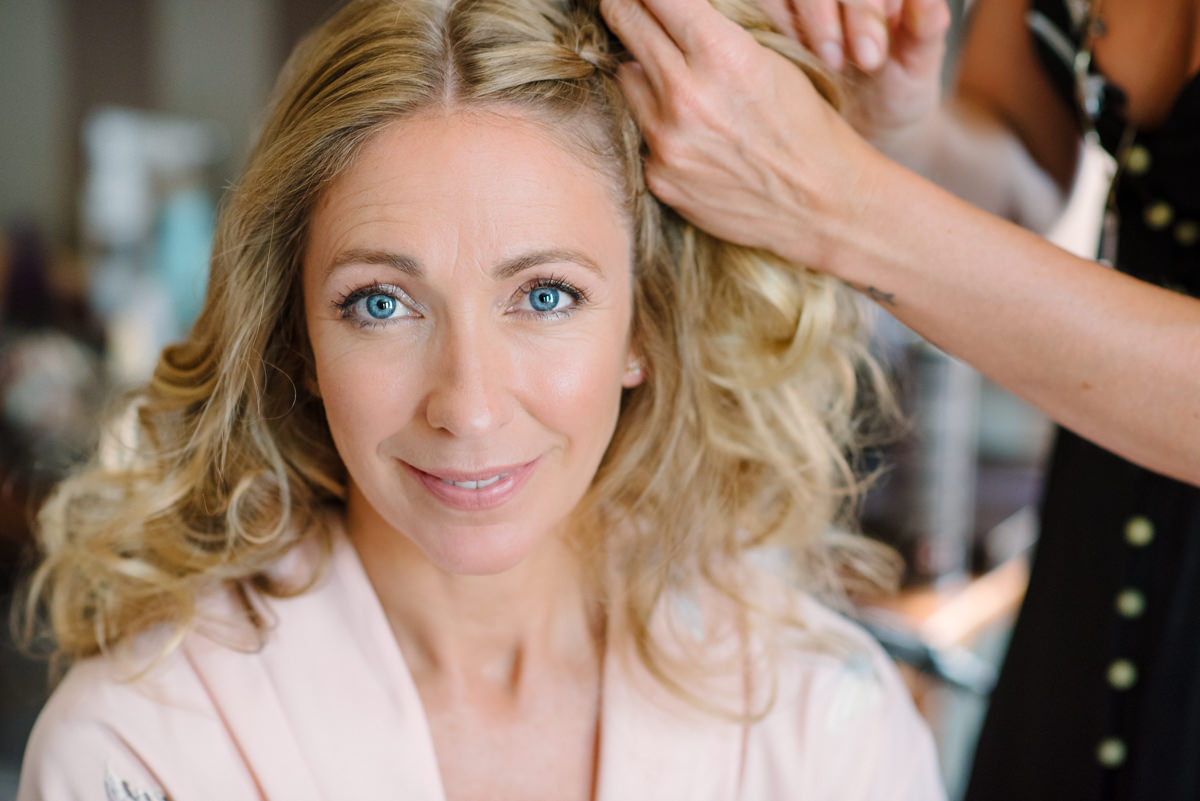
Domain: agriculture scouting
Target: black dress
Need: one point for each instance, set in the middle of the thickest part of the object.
(1099, 695)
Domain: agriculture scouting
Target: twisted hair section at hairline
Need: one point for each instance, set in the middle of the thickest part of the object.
(743, 434)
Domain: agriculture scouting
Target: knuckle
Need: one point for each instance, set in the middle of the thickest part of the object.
(819, 18)
(668, 152)
(616, 12)
(663, 145)
(708, 38)
(682, 100)
(659, 184)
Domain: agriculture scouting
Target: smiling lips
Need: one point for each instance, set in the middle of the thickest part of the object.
(476, 491)
(487, 482)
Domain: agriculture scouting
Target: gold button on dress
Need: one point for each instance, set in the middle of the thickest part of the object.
(1139, 531)
(1111, 752)
(1130, 603)
(1158, 215)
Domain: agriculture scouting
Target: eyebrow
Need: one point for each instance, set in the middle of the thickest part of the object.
(506, 269)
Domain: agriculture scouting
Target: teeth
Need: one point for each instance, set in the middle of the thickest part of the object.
(487, 482)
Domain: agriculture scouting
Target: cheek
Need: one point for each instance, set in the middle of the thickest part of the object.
(363, 394)
(576, 389)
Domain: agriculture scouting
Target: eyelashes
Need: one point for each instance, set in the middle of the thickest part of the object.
(539, 291)
(374, 305)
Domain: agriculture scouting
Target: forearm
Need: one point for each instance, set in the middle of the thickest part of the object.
(973, 155)
(1114, 359)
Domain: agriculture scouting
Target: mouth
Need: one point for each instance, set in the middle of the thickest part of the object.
(474, 490)
(473, 485)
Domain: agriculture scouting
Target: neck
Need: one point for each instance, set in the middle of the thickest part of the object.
(493, 632)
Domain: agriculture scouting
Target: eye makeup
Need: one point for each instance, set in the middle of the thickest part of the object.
(541, 297)
(373, 305)
(376, 304)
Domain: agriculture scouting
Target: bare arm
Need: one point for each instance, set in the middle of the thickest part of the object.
(1110, 357)
(1115, 359)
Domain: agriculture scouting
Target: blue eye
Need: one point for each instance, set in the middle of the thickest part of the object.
(544, 298)
(381, 307)
(376, 304)
(550, 298)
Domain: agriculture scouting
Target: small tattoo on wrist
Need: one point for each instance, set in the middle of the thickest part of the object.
(878, 295)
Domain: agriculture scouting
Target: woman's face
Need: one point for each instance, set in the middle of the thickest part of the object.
(467, 290)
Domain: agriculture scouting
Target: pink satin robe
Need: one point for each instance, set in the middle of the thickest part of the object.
(327, 709)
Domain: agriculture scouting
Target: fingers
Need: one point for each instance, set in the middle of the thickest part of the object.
(820, 23)
(925, 19)
(696, 26)
(692, 24)
(644, 38)
(838, 30)
(920, 37)
(866, 32)
(641, 96)
(783, 14)
(858, 30)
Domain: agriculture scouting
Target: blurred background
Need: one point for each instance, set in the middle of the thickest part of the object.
(124, 120)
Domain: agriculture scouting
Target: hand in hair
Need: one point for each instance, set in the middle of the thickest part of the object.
(740, 141)
(742, 145)
(894, 49)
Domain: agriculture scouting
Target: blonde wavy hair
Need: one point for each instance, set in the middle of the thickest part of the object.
(744, 434)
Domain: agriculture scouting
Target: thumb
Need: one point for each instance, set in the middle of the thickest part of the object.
(919, 40)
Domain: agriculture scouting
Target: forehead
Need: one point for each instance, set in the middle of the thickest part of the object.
(485, 169)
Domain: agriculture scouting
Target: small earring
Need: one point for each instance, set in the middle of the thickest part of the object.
(634, 368)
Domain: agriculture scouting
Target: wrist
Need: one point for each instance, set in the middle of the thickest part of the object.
(854, 212)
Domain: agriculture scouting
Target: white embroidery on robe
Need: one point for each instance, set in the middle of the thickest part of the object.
(858, 691)
(117, 789)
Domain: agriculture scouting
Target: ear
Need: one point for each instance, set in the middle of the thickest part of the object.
(310, 382)
(635, 372)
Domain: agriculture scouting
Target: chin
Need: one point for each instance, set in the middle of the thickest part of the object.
(476, 551)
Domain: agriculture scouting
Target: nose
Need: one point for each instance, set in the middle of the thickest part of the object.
(470, 393)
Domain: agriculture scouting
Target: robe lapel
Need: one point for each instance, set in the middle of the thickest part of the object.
(328, 710)
(249, 706)
(655, 745)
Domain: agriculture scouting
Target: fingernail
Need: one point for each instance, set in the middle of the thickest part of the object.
(831, 54)
(867, 53)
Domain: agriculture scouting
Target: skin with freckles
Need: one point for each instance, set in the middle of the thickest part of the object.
(468, 299)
